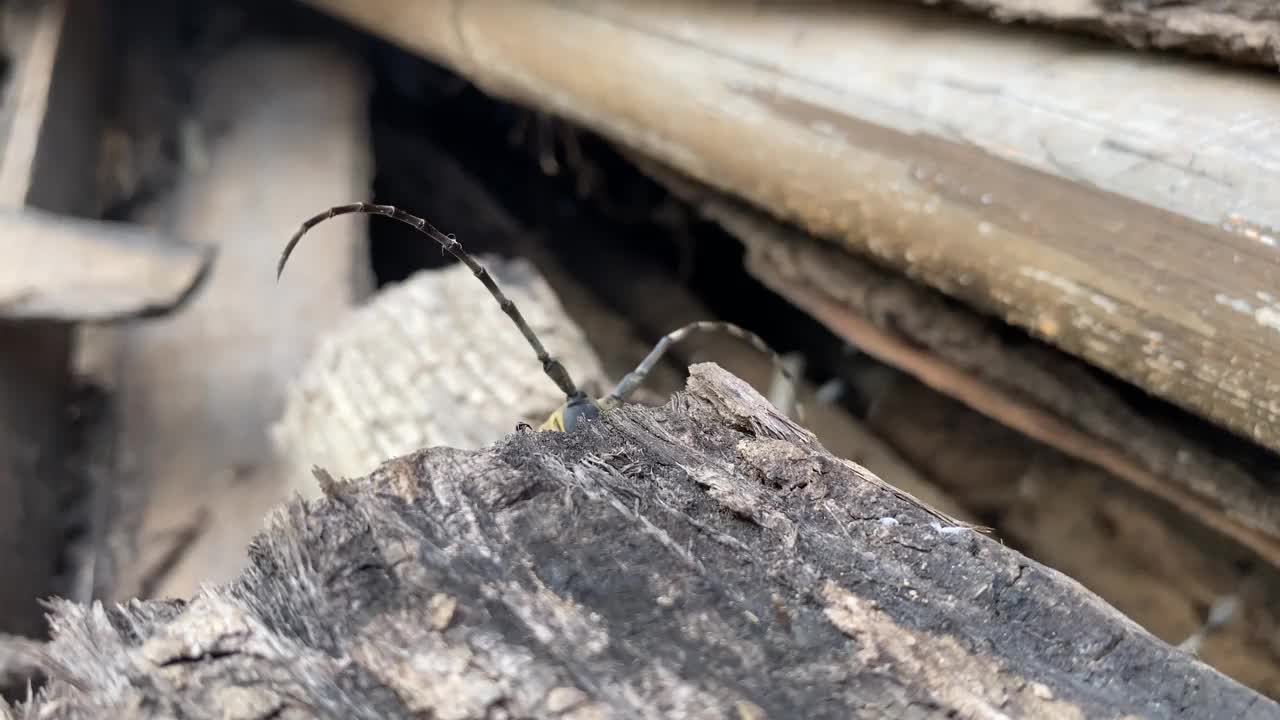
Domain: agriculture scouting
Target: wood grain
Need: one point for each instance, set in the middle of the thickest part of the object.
(1118, 205)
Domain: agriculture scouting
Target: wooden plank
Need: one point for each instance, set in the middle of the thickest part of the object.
(63, 268)
(198, 390)
(706, 559)
(1243, 31)
(49, 123)
(1118, 205)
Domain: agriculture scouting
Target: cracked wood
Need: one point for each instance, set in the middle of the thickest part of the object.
(707, 558)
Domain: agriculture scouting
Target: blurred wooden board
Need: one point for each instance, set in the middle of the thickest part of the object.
(64, 268)
(1117, 204)
(49, 123)
(287, 136)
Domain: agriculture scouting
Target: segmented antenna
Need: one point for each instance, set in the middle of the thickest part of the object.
(550, 365)
(636, 378)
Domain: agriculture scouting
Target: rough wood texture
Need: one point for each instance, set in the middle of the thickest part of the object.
(1155, 564)
(62, 268)
(1033, 389)
(49, 121)
(704, 559)
(1020, 171)
(286, 130)
(432, 361)
(1246, 31)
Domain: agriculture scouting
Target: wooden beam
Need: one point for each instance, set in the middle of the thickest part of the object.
(1118, 205)
(58, 267)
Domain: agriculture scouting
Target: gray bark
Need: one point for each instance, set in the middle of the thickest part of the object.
(1239, 31)
(703, 559)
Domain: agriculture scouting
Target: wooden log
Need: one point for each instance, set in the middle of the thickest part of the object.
(63, 268)
(1158, 566)
(50, 117)
(197, 391)
(702, 559)
(1018, 171)
(1244, 31)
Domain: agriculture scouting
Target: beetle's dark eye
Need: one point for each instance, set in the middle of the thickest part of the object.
(579, 409)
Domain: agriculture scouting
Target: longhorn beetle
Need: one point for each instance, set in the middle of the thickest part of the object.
(577, 405)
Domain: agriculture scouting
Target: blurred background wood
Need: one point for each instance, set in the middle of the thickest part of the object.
(63, 268)
(50, 121)
(283, 134)
(1018, 171)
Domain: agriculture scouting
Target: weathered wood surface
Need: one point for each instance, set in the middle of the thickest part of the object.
(432, 361)
(1119, 205)
(62, 268)
(286, 134)
(49, 121)
(1033, 389)
(704, 559)
(1162, 568)
(1246, 31)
